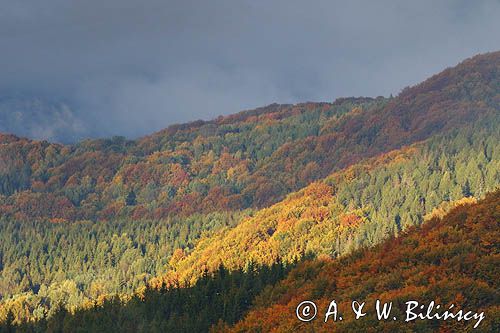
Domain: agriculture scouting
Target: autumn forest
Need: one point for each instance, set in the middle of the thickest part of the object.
(226, 225)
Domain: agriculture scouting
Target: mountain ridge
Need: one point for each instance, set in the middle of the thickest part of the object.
(343, 138)
(106, 216)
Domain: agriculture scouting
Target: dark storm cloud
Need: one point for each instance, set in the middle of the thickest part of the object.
(132, 67)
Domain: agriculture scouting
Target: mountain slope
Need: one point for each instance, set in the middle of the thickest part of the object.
(103, 217)
(252, 159)
(450, 260)
(360, 205)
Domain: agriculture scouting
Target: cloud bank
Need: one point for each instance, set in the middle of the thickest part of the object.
(132, 67)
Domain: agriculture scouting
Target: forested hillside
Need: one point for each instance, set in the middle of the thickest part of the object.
(450, 260)
(222, 296)
(453, 259)
(102, 217)
(197, 167)
(361, 205)
(251, 159)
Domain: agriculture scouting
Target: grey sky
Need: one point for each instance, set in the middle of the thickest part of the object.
(132, 67)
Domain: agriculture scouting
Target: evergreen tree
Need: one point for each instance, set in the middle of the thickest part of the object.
(131, 199)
